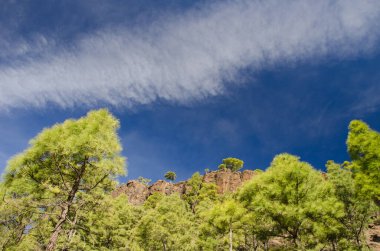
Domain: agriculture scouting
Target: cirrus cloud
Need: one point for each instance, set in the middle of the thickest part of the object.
(189, 57)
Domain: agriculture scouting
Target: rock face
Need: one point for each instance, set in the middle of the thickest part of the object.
(373, 236)
(167, 188)
(137, 192)
(225, 180)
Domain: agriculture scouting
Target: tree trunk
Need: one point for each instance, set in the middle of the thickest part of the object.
(164, 245)
(73, 230)
(255, 243)
(65, 210)
(266, 245)
(57, 229)
(358, 243)
(230, 238)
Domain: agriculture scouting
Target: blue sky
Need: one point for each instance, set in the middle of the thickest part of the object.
(193, 82)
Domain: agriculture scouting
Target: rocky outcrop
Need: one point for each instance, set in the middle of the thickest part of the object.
(373, 236)
(137, 192)
(225, 181)
(167, 188)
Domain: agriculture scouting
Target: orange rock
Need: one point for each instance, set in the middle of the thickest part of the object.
(225, 180)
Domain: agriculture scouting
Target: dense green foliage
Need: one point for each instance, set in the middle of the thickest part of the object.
(364, 148)
(233, 164)
(167, 226)
(296, 201)
(56, 195)
(358, 209)
(66, 169)
(170, 175)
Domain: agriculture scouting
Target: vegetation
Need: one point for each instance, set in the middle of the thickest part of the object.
(295, 201)
(233, 164)
(364, 148)
(56, 195)
(143, 180)
(65, 169)
(170, 176)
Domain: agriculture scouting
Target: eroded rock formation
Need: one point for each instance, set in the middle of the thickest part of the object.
(373, 236)
(225, 180)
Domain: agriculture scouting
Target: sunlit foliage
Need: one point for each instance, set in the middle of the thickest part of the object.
(56, 195)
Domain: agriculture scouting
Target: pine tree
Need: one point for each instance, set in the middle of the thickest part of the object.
(222, 222)
(168, 225)
(233, 164)
(358, 209)
(363, 145)
(295, 201)
(62, 168)
(170, 175)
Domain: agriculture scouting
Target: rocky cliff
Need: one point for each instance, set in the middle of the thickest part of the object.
(225, 181)
(373, 236)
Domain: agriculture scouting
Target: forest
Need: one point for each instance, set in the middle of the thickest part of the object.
(57, 195)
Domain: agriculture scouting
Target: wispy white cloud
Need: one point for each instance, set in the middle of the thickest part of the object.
(182, 58)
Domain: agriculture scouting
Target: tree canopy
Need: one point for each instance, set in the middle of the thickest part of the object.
(63, 167)
(233, 164)
(363, 145)
(295, 199)
(170, 175)
(56, 195)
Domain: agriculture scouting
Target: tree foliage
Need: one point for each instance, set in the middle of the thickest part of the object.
(358, 209)
(170, 175)
(220, 225)
(199, 194)
(56, 195)
(296, 201)
(233, 164)
(363, 145)
(64, 165)
(109, 226)
(169, 225)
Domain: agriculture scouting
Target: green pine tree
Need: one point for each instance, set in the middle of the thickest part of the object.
(62, 168)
